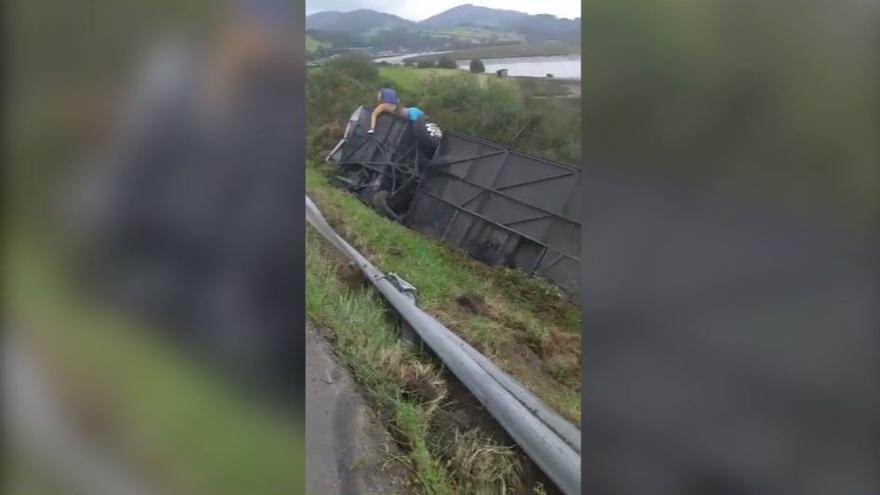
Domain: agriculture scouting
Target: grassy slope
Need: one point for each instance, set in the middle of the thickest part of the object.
(312, 44)
(171, 417)
(539, 95)
(406, 388)
(408, 79)
(479, 34)
(365, 340)
(524, 50)
(522, 323)
(525, 325)
(540, 87)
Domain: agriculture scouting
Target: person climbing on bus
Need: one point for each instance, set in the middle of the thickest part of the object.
(414, 113)
(387, 95)
(428, 134)
(387, 101)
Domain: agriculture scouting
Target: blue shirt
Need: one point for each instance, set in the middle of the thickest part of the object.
(413, 113)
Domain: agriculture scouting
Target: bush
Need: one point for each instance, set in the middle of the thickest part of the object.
(426, 64)
(494, 111)
(477, 66)
(321, 139)
(355, 66)
(445, 62)
(555, 131)
(332, 92)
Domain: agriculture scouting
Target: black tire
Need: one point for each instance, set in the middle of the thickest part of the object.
(380, 204)
(374, 184)
(427, 142)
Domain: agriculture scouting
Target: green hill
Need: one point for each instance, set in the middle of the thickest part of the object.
(312, 45)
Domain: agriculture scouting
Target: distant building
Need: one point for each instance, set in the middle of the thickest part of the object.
(501, 73)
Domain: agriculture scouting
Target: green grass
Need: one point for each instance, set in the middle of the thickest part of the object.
(365, 340)
(521, 315)
(404, 386)
(172, 418)
(543, 87)
(522, 50)
(408, 79)
(478, 34)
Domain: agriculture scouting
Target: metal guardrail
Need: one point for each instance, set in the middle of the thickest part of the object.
(549, 440)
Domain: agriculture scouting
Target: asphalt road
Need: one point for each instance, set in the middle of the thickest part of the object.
(346, 444)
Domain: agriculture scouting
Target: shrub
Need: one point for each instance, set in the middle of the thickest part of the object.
(332, 92)
(445, 62)
(321, 139)
(426, 64)
(477, 66)
(493, 111)
(355, 66)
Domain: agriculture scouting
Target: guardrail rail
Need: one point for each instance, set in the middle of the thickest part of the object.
(548, 439)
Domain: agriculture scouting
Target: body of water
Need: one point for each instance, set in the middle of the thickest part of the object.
(561, 66)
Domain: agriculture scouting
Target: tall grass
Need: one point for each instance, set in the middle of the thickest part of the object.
(403, 384)
(483, 106)
(522, 313)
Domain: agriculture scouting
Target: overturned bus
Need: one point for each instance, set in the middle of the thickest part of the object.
(500, 206)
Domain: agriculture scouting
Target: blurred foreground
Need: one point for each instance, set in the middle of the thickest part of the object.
(730, 269)
(153, 261)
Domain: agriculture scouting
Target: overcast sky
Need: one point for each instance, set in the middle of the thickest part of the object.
(417, 10)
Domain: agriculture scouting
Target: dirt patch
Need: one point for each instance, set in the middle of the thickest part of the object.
(538, 352)
(322, 139)
(421, 383)
(462, 431)
(461, 410)
(462, 422)
(473, 303)
(353, 277)
(565, 368)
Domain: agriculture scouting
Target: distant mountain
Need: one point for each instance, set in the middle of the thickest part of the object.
(357, 21)
(548, 27)
(367, 23)
(472, 15)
